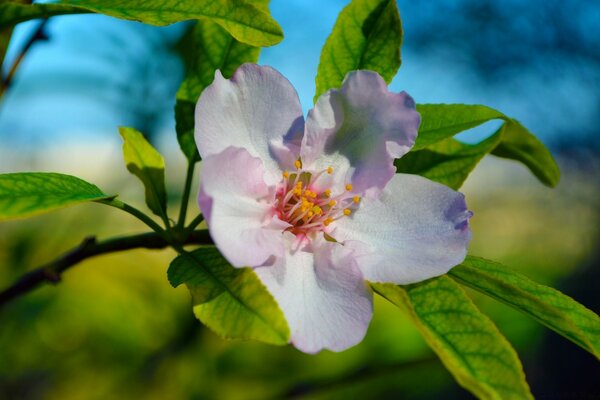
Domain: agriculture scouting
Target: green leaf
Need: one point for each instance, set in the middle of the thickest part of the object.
(29, 193)
(231, 301)
(148, 165)
(467, 342)
(442, 121)
(439, 157)
(366, 35)
(519, 144)
(207, 47)
(548, 306)
(245, 21)
(449, 162)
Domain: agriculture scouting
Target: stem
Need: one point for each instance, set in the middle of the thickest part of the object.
(186, 194)
(89, 247)
(195, 222)
(37, 35)
(135, 212)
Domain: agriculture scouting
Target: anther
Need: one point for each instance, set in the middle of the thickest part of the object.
(356, 199)
(327, 193)
(329, 170)
(328, 221)
(349, 187)
(332, 203)
(347, 212)
(298, 164)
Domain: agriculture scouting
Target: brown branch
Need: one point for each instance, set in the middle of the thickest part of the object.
(51, 272)
(37, 35)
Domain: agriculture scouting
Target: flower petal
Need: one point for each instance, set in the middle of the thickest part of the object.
(322, 295)
(360, 128)
(257, 109)
(415, 230)
(237, 206)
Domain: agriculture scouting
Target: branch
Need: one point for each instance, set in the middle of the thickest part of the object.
(51, 272)
(39, 34)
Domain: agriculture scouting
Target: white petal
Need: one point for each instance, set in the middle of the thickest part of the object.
(415, 230)
(257, 109)
(322, 295)
(237, 206)
(360, 129)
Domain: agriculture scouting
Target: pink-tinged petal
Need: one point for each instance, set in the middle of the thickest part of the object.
(238, 207)
(360, 129)
(415, 230)
(257, 109)
(322, 294)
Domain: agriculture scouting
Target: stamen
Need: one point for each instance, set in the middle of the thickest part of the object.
(329, 170)
(347, 212)
(349, 187)
(332, 203)
(327, 193)
(286, 174)
(356, 199)
(298, 164)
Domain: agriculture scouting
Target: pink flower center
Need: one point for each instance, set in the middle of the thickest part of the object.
(308, 209)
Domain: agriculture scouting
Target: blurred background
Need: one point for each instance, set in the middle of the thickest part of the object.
(114, 328)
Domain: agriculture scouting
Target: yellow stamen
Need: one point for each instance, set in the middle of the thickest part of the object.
(349, 187)
(329, 170)
(310, 214)
(327, 221)
(327, 193)
(317, 210)
(356, 199)
(298, 164)
(299, 184)
(347, 212)
(332, 203)
(286, 174)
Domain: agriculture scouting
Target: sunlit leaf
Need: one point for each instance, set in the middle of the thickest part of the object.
(366, 35)
(231, 301)
(439, 157)
(546, 305)
(467, 342)
(242, 19)
(29, 193)
(207, 47)
(148, 165)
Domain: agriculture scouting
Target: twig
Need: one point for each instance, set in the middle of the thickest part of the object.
(51, 272)
(39, 34)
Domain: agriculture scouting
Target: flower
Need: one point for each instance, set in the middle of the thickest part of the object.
(315, 207)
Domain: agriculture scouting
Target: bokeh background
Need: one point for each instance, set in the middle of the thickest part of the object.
(114, 328)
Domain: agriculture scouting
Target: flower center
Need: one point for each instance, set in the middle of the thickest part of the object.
(307, 208)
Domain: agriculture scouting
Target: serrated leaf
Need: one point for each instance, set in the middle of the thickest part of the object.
(467, 342)
(148, 165)
(548, 306)
(25, 194)
(243, 20)
(439, 157)
(233, 302)
(366, 35)
(207, 47)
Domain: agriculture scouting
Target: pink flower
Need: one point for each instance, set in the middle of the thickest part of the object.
(316, 208)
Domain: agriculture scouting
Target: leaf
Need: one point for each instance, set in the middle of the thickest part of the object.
(25, 194)
(148, 165)
(448, 162)
(434, 145)
(467, 342)
(519, 144)
(442, 121)
(243, 20)
(231, 301)
(548, 306)
(208, 47)
(366, 35)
